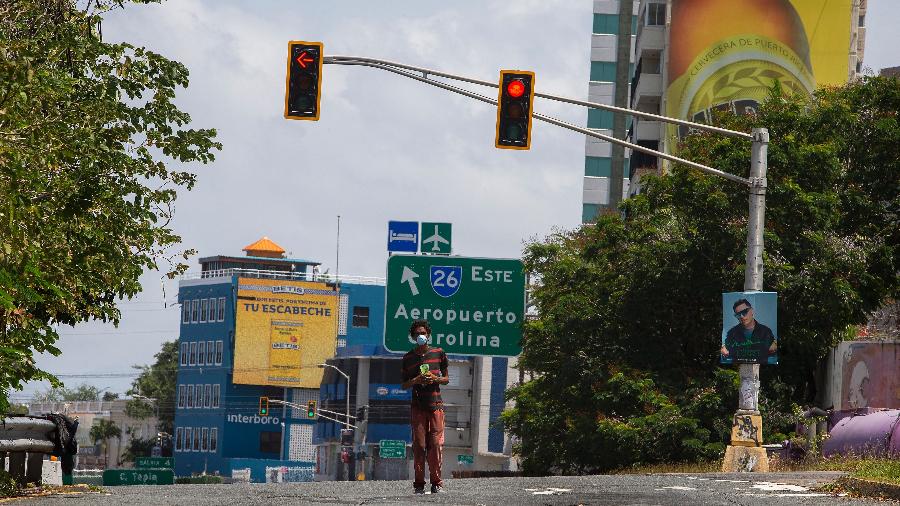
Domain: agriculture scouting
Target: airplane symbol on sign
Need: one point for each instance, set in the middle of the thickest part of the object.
(436, 240)
(303, 59)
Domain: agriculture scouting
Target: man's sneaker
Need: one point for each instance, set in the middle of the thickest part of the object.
(436, 489)
(419, 490)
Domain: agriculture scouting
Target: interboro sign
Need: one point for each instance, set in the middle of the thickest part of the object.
(253, 419)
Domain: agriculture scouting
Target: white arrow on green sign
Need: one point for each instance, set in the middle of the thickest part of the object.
(475, 305)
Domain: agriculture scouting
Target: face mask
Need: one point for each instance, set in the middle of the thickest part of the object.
(421, 339)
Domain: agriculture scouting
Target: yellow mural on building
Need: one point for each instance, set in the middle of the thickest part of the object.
(725, 55)
(283, 329)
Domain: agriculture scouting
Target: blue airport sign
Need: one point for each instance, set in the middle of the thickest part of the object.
(403, 236)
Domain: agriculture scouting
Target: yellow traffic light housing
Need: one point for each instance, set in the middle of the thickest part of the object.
(311, 409)
(263, 406)
(303, 85)
(514, 105)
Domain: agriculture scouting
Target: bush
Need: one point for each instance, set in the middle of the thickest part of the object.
(8, 487)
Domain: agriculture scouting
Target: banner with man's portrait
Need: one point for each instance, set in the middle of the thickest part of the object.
(749, 328)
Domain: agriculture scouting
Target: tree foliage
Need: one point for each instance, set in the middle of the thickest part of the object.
(102, 431)
(157, 382)
(88, 131)
(634, 301)
(82, 392)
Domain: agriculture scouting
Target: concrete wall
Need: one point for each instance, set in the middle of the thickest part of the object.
(863, 374)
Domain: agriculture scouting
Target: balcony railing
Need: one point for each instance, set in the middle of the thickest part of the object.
(285, 275)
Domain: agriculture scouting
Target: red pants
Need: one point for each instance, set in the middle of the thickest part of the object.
(428, 437)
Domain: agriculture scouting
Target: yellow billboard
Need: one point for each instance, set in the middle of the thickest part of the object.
(725, 55)
(282, 330)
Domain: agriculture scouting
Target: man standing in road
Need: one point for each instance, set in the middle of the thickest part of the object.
(425, 369)
(748, 342)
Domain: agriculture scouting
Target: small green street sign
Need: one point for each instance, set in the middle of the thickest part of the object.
(139, 477)
(465, 459)
(475, 306)
(435, 238)
(154, 462)
(392, 449)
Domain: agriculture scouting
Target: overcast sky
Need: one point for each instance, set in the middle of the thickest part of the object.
(385, 147)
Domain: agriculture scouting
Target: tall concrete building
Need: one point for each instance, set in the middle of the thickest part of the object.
(694, 58)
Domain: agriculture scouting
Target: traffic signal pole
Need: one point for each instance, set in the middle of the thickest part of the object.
(737, 456)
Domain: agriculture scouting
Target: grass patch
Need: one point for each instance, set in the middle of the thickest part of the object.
(883, 470)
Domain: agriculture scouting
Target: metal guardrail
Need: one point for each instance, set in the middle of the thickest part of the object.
(24, 440)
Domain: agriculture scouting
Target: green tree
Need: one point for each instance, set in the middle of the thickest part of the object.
(82, 392)
(88, 136)
(157, 382)
(102, 431)
(639, 295)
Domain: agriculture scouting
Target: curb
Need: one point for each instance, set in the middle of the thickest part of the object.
(870, 488)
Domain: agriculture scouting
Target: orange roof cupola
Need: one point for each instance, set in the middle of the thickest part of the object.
(264, 247)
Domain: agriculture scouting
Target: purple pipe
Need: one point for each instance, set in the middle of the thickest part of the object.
(872, 434)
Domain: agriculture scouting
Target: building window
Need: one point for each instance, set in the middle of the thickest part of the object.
(198, 396)
(190, 395)
(360, 317)
(270, 442)
(656, 14)
(221, 309)
(862, 20)
(219, 347)
(179, 434)
(204, 309)
(216, 390)
(212, 310)
(213, 439)
(180, 396)
(201, 353)
(204, 439)
(187, 439)
(184, 353)
(186, 312)
(193, 353)
(207, 395)
(196, 439)
(195, 310)
(210, 352)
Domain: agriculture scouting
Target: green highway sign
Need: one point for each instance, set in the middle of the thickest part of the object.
(392, 449)
(154, 462)
(435, 238)
(139, 477)
(475, 305)
(465, 459)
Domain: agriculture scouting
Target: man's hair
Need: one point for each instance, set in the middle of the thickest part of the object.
(420, 323)
(739, 302)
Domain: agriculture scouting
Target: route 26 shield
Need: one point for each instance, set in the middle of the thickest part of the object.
(445, 279)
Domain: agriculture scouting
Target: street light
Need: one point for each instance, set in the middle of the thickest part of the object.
(347, 376)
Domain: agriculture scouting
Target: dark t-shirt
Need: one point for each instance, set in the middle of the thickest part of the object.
(752, 349)
(425, 396)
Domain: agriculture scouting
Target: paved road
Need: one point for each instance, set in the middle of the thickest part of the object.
(662, 489)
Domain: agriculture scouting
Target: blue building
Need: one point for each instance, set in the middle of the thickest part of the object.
(218, 426)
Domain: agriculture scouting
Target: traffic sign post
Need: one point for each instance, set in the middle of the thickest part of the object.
(475, 305)
(436, 238)
(403, 236)
(392, 449)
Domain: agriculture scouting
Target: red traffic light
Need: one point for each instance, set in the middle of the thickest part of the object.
(515, 88)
